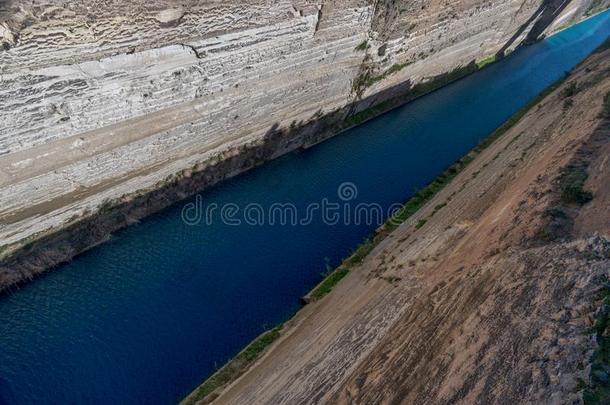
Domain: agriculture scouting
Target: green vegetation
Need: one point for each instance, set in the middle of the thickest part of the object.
(397, 67)
(570, 189)
(408, 209)
(365, 115)
(329, 283)
(366, 79)
(425, 194)
(421, 223)
(236, 367)
(334, 277)
(598, 392)
(571, 90)
(571, 183)
(363, 81)
(363, 46)
(486, 61)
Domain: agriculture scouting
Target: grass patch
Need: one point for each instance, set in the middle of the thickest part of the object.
(408, 209)
(362, 46)
(367, 80)
(236, 367)
(397, 67)
(421, 223)
(439, 207)
(424, 195)
(333, 278)
(363, 81)
(329, 283)
(486, 61)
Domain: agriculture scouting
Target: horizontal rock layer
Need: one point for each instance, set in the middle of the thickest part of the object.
(104, 100)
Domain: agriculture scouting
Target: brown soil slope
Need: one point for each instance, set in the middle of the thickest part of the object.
(491, 299)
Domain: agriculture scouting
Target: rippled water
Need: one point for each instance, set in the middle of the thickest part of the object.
(146, 317)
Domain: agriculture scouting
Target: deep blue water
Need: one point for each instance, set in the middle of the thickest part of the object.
(146, 317)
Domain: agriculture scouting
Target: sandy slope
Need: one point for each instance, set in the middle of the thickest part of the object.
(486, 310)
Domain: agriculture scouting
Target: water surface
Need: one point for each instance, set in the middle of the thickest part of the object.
(146, 317)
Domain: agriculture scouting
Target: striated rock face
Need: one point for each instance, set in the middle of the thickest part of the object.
(104, 100)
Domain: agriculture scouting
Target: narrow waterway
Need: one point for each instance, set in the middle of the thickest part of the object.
(147, 316)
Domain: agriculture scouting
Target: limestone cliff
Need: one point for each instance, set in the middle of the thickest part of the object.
(104, 102)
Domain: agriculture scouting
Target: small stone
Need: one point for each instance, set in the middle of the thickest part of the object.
(170, 17)
(7, 38)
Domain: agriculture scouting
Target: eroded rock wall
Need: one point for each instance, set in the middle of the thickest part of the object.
(103, 99)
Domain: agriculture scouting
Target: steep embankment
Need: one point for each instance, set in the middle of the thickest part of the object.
(112, 110)
(489, 293)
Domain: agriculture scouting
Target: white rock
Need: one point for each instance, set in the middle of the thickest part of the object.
(170, 16)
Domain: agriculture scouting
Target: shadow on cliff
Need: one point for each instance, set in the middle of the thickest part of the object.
(544, 16)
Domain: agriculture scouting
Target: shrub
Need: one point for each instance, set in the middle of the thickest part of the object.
(570, 90)
(363, 45)
(571, 185)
